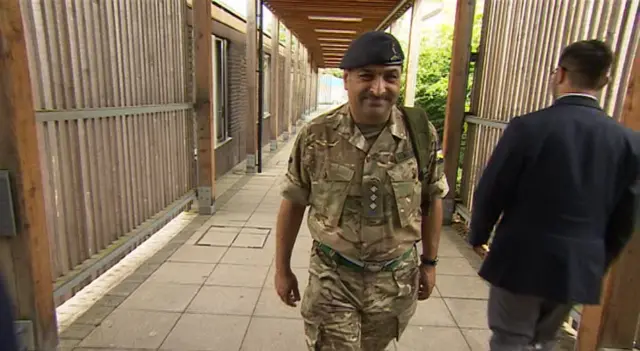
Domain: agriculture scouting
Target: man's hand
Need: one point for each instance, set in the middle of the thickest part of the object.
(427, 281)
(287, 287)
(481, 250)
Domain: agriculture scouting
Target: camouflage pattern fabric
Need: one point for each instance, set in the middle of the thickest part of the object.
(344, 310)
(365, 200)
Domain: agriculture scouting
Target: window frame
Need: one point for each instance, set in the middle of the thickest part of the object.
(221, 86)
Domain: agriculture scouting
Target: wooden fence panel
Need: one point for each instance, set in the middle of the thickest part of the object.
(511, 84)
(112, 95)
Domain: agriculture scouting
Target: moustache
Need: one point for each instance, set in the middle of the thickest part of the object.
(367, 95)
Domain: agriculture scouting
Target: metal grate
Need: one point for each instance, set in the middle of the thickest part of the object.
(234, 236)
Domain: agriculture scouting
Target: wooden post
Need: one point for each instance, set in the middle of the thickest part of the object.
(314, 91)
(25, 260)
(203, 107)
(288, 85)
(275, 79)
(296, 75)
(413, 54)
(613, 323)
(455, 108)
(295, 94)
(305, 89)
(252, 87)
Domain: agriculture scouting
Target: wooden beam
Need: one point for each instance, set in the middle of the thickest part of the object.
(455, 108)
(413, 55)
(613, 323)
(202, 26)
(25, 260)
(275, 86)
(252, 88)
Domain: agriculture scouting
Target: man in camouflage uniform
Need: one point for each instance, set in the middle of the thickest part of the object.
(356, 170)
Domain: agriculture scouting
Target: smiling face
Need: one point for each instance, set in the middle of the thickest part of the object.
(372, 91)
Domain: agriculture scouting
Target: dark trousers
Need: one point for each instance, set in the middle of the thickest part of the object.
(521, 322)
(8, 340)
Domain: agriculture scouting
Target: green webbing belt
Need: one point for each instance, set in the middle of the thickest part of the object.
(368, 266)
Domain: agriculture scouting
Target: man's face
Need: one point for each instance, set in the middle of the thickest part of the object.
(372, 90)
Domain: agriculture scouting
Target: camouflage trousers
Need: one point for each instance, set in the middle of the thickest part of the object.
(347, 310)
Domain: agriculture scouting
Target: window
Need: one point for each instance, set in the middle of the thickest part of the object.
(220, 90)
(266, 86)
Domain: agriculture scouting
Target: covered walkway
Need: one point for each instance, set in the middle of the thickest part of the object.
(211, 287)
(118, 116)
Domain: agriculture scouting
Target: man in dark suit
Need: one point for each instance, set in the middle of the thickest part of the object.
(565, 180)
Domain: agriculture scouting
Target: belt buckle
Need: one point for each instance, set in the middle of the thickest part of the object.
(374, 267)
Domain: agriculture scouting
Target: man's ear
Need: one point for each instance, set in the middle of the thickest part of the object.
(603, 81)
(345, 76)
(561, 75)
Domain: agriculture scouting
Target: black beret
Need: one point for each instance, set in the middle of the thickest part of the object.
(373, 48)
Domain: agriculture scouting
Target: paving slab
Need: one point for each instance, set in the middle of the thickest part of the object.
(213, 288)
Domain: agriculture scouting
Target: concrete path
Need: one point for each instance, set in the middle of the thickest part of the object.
(211, 287)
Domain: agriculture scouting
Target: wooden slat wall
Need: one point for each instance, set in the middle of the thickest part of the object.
(106, 176)
(522, 42)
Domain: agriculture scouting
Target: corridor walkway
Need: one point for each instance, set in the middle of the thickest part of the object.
(211, 287)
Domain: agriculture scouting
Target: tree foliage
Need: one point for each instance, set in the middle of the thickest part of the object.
(432, 81)
(434, 64)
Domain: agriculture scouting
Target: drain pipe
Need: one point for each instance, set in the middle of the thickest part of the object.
(260, 80)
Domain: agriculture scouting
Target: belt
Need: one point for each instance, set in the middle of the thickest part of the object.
(374, 267)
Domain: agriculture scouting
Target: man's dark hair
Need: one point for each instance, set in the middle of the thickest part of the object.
(587, 63)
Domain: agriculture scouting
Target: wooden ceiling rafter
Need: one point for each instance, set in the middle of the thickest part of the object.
(347, 19)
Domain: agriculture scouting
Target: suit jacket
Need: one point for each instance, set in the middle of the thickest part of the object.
(8, 338)
(565, 180)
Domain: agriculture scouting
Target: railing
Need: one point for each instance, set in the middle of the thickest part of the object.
(116, 128)
(482, 136)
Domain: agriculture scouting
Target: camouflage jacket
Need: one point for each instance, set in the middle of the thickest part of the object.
(365, 202)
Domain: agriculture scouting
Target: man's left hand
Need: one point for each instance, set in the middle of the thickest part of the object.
(427, 281)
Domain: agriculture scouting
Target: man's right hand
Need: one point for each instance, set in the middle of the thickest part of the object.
(287, 287)
(481, 250)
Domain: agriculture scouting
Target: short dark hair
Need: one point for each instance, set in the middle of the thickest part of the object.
(587, 63)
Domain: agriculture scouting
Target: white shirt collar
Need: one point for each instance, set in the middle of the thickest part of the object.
(578, 94)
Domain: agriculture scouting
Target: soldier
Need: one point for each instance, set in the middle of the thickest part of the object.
(374, 185)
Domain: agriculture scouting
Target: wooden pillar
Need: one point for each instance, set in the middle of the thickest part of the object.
(203, 107)
(300, 81)
(309, 83)
(455, 108)
(314, 91)
(305, 63)
(275, 79)
(413, 54)
(252, 88)
(288, 85)
(25, 261)
(296, 83)
(613, 323)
